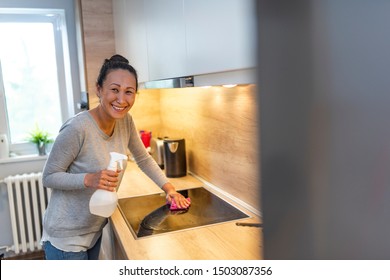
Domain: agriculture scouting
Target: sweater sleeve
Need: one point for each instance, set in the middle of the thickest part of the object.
(64, 151)
(143, 159)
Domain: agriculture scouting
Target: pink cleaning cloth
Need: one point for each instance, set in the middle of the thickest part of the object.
(175, 207)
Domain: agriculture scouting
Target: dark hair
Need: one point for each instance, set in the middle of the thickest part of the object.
(115, 62)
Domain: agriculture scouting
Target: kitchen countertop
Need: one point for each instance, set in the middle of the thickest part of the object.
(214, 242)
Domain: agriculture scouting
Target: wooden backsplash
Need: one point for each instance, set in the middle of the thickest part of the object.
(220, 127)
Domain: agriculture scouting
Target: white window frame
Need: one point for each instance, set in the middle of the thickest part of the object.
(65, 81)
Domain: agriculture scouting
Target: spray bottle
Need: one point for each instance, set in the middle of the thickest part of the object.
(103, 202)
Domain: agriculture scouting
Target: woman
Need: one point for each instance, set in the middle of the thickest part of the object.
(77, 163)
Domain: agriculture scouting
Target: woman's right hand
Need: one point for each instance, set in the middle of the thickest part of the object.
(105, 180)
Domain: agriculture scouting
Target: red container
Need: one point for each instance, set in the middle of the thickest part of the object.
(145, 137)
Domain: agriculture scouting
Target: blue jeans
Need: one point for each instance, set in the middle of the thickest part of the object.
(52, 253)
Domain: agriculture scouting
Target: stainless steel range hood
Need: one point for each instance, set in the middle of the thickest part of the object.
(241, 76)
(180, 82)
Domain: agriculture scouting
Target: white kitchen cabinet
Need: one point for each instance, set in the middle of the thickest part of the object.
(130, 34)
(220, 35)
(119, 18)
(174, 38)
(166, 36)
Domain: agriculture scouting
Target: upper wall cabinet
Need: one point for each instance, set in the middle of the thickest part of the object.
(165, 28)
(173, 38)
(220, 35)
(130, 34)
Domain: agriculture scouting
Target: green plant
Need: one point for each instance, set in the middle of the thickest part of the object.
(39, 136)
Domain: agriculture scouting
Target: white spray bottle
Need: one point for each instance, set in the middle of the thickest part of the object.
(103, 202)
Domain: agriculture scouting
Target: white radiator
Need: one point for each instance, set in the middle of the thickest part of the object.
(27, 202)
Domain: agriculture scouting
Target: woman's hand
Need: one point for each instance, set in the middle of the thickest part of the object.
(172, 194)
(105, 180)
(180, 200)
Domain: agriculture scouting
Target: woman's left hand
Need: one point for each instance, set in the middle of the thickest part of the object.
(179, 199)
(172, 194)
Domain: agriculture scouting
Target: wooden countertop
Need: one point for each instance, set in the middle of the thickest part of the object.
(225, 241)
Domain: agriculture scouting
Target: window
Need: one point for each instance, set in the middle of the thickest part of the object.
(35, 79)
(29, 73)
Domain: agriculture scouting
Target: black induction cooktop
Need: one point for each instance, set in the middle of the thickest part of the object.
(149, 215)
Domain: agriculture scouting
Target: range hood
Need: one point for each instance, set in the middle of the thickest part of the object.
(242, 76)
(180, 82)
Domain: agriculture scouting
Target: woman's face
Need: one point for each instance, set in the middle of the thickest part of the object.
(117, 95)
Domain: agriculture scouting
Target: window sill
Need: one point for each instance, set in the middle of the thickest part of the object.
(25, 158)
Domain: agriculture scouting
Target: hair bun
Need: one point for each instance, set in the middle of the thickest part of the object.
(119, 58)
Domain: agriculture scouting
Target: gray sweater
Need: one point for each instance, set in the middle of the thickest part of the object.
(80, 148)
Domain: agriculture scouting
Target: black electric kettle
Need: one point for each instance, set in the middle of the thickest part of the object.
(175, 158)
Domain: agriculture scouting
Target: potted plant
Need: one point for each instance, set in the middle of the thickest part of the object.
(41, 138)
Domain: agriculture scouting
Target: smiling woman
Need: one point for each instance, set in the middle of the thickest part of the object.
(77, 165)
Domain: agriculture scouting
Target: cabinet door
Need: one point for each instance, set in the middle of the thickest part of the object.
(221, 35)
(119, 18)
(130, 34)
(166, 38)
